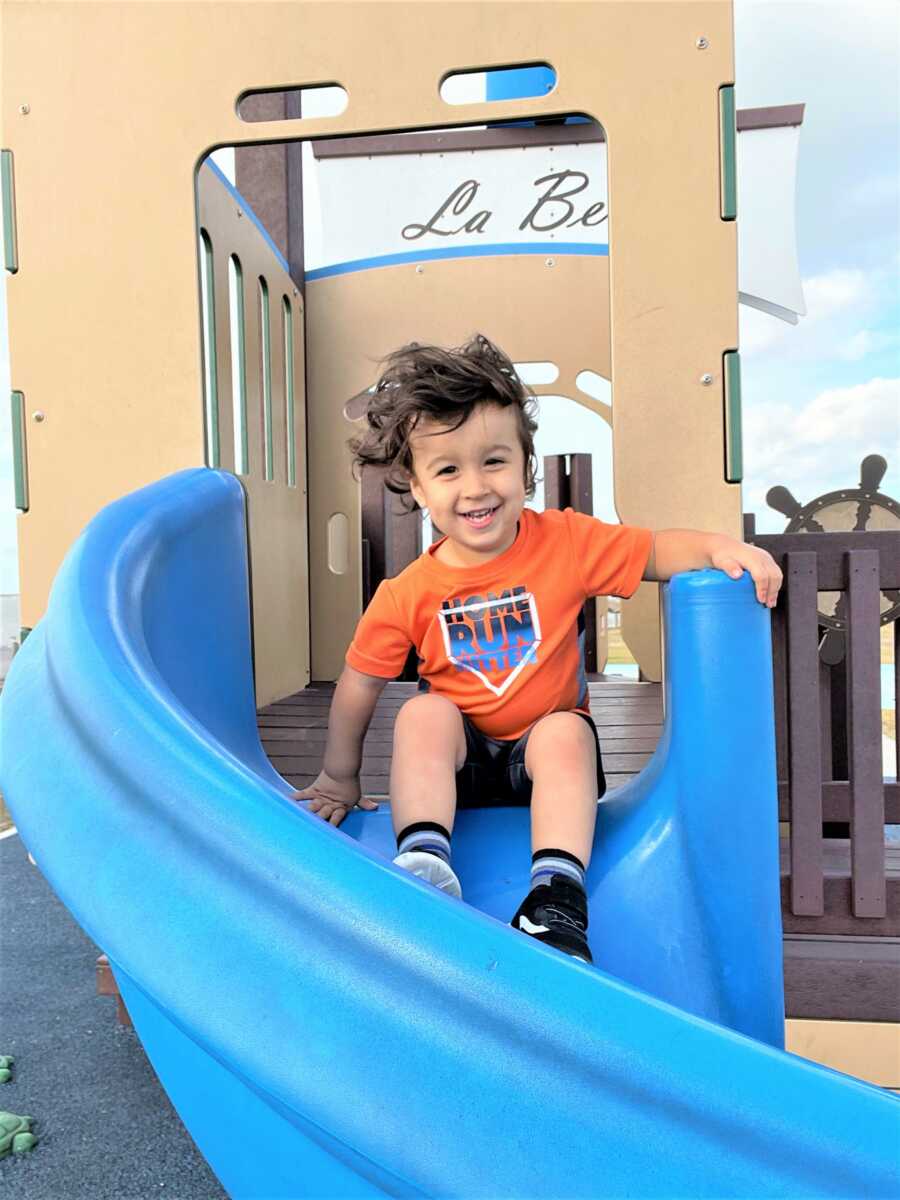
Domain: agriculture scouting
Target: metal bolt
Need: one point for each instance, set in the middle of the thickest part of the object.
(239, 213)
(551, 262)
(24, 109)
(37, 416)
(706, 379)
(296, 293)
(420, 270)
(702, 43)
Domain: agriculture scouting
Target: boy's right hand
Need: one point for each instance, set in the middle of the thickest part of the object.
(332, 799)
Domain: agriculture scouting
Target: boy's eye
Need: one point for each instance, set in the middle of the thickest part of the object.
(444, 470)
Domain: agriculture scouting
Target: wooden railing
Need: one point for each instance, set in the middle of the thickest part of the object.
(829, 732)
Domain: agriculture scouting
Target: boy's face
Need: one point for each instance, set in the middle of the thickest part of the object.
(459, 472)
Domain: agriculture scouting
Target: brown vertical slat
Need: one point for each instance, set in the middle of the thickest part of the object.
(556, 484)
(581, 498)
(825, 718)
(779, 674)
(864, 734)
(402, 534)
(581, 486)
(896, 699)
(372, 504)
(805, 756)
(367, 586)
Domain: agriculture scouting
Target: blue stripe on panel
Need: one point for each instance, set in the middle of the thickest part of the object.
(487, 251)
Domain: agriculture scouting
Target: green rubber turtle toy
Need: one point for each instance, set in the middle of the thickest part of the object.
(6, 1062)
(15, 1134)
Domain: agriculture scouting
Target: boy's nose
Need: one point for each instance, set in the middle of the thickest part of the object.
(473, 484)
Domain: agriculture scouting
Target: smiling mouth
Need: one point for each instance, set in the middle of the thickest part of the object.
(479, 517)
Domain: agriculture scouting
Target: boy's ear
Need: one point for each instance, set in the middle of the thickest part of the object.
(417, 493)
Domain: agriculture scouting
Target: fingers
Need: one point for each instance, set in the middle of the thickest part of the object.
(730, 566)
(330, 810)
(767, 578)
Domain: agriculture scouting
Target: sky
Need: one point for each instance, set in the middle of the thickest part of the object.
(818, 396)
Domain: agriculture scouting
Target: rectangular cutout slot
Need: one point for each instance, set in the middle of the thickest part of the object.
(208, 335)
(293, 104)
(521, 82)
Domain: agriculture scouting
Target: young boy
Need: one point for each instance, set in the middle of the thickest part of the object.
(502, 715)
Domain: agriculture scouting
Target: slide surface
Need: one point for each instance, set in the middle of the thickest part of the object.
(328, 1026)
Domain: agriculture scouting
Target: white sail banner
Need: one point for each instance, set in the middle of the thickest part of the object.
(365, 211)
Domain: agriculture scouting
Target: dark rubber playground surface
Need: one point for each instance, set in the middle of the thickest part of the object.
(105, 1129)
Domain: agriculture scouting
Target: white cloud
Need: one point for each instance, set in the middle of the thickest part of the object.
(818, 447)
(838, 303)
(867, 341)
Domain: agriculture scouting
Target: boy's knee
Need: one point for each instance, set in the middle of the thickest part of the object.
(427, 717)
(557, 738)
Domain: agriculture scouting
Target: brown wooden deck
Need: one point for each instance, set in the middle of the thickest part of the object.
(628, 716)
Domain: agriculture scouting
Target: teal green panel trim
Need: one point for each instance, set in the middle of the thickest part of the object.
(20, 462)
(727, 153)
(265, 341)
(288, 318)
(211, 374)
(8, 186)
(734, 455)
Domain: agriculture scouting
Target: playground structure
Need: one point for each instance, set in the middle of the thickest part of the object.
(659, 321)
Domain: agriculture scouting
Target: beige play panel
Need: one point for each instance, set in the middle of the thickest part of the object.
(104, 312)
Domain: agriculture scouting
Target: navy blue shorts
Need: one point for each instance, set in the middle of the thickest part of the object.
(494, 774)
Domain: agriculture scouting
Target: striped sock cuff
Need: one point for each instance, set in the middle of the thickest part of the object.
(425, 836)
(546, 863)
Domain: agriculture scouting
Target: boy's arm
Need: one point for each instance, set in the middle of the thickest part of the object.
(337, 788)
(677, 550)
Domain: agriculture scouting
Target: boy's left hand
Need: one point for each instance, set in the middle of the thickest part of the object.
(733, 557)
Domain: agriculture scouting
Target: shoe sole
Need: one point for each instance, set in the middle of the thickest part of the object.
(432, 869)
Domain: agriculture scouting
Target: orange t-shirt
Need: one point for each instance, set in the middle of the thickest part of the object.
(500, 639)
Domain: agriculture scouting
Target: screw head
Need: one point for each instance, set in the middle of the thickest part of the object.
(702, 43)
(420, 270)
(38, 416)
(239, 213)
(551, 262)
(24, 109)
(706, 379)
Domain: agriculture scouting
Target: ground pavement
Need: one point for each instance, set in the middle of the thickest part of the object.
(105, 1129)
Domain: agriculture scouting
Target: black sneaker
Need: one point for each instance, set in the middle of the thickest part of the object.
(556, 914)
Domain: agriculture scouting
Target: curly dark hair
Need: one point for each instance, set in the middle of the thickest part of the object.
(444, 386)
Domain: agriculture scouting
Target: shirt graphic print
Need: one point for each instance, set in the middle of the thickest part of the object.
(499, 639)
(495, 634)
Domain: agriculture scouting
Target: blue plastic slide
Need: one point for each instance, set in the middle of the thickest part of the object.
(329, 1026)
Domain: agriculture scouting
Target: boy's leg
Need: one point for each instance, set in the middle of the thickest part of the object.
(429, 748)
(561, 761)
